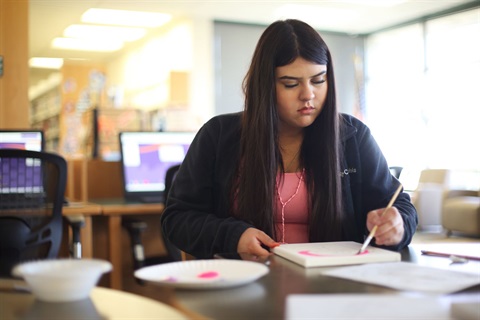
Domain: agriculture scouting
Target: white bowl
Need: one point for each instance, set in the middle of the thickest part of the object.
(62, 280)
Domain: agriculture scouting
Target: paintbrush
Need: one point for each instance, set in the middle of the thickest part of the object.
(374, 229)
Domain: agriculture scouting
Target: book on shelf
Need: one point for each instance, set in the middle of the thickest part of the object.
(322, 254)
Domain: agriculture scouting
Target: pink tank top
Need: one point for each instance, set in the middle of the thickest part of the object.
(292, 222)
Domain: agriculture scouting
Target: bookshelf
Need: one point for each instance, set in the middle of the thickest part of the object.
(57, 105)
(79, 120)
(45, 106)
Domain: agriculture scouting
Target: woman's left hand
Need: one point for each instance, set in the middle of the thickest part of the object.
(389, 226)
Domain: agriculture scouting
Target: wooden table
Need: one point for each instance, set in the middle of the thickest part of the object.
(114, 210)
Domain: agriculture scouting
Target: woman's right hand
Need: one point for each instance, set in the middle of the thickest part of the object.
(252, 240)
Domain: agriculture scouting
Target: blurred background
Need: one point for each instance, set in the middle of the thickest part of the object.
(408, 69)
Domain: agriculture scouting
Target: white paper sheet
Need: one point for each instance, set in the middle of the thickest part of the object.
(408, 276)
(364, 306)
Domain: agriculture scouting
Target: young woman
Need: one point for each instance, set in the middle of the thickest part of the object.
(289, 168)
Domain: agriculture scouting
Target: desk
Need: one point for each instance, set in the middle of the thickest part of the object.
(114, 209)
(87, 210)
(265, 298)
(262, 299)
(103, 304)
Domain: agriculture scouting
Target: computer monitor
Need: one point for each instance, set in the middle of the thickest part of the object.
(145, 159)
(21, 180)
(22, 139)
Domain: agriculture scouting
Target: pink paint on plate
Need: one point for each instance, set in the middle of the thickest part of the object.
(208, 275)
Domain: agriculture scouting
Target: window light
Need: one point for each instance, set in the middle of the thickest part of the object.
(375, 3)
(87, 45)
(104, 32)
(45, 63)
(125, 17)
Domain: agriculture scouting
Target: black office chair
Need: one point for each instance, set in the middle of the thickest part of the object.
(174, 253)
(136, 227)
(32, 188)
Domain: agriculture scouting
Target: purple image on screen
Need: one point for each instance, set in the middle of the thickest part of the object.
(149, 175)
(19, 176)
(12, 145)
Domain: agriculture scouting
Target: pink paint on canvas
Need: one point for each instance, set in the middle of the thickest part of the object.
(312, 254)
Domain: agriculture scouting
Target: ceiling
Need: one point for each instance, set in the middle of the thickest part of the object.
(48, 18)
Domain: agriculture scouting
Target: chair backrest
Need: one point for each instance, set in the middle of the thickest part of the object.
(172, 250)
(32, 188)
(169, 177)
(136, 227)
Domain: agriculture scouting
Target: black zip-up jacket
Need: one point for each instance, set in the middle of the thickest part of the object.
(197, 220)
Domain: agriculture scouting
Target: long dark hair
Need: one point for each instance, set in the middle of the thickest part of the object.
(254, 185)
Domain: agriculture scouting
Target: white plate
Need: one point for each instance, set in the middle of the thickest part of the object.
(203, 274)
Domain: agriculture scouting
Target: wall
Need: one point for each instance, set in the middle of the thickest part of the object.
(202, 102)
(216, 55)
(142, 77)
(234, 47)
(14, 109)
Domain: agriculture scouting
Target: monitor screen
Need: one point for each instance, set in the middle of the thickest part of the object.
(21, 179)
(146, 157)
(21, 139)
(18, 176)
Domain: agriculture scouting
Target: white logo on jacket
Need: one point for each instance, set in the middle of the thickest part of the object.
(347, 171)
